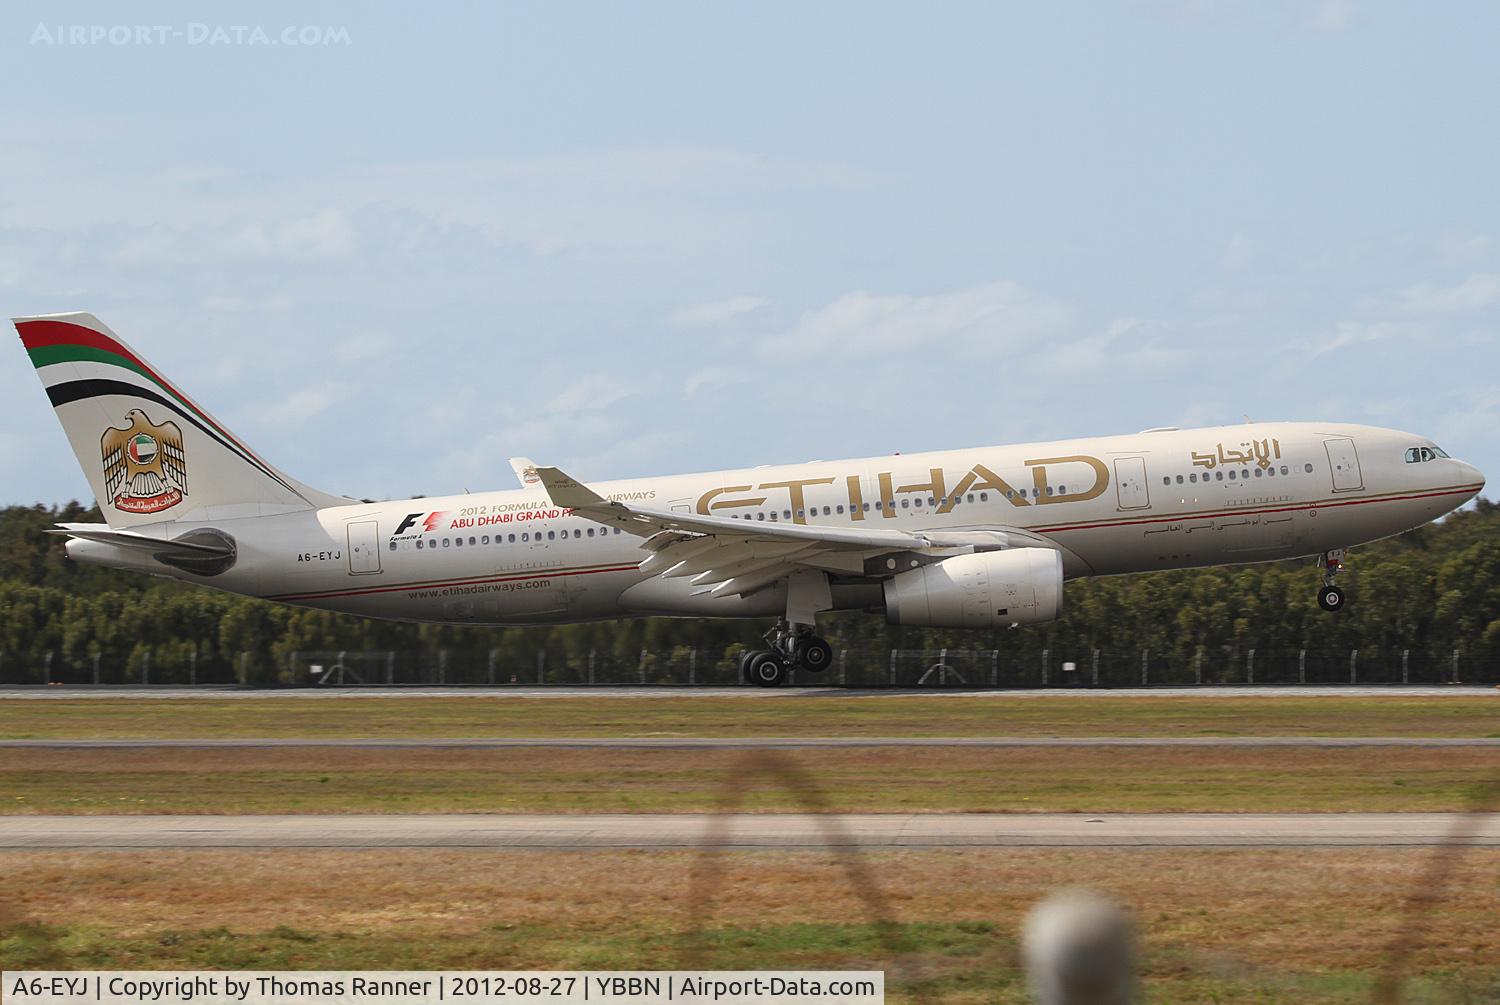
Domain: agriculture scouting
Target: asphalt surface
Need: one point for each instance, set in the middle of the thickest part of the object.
(750, 831)
(756, 742)
(37, 692)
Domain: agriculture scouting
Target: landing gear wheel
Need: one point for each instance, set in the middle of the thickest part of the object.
(813, 653)
(1331, 598)
(765, 669)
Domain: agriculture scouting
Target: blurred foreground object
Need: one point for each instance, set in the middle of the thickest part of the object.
(1080, 950)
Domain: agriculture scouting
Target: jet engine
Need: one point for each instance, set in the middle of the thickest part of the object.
(991, 589)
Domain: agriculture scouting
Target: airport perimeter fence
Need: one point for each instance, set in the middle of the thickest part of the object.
(933, 669)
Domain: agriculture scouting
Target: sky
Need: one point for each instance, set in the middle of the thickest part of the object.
(391, 246)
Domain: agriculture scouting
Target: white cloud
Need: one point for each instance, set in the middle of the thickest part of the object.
(1238, 253)
(1331, 15)
(1353, 333)
(595, 392)
(718, 313)
(1474, 293)
(990, 318)
(294, 409)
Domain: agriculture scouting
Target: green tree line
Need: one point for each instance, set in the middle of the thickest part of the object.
(1429, 592)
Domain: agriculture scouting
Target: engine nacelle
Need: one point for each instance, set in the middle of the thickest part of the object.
(991, 589)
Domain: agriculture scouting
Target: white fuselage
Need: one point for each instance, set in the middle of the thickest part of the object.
(1157, 500)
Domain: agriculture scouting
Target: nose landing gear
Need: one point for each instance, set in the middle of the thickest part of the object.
(791, 646)
(1330, 596)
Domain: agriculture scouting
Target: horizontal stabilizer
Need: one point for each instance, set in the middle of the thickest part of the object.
(102, 534)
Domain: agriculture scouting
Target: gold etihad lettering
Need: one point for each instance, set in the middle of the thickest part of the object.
(978, 478)
(1262, 452)
(1044, 494)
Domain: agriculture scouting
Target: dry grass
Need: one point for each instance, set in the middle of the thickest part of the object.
(324, 780)
(674, 714)
(1228, 921)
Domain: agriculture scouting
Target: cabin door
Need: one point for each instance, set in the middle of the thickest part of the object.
(364, 548)
(1130, 482)
(1343, 463)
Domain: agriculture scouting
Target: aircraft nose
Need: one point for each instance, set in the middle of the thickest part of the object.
(1473, 476)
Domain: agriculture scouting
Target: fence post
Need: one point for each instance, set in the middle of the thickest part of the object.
(1145, 666)
(843, 668)
(1250, 666)
(1046, 659)
(994, 668)
(241, 673)
(47, 668)
(591, 666)
(193, 665)
(1198, 665)
(1354, 666)
(1302, 666)
(541, 666)
(692, 666)
(1406, 666)
(442, 666)
(1096, 667)
(1455, 666)
(146, 665)
(641, 668)
(390, 666)
(96, 668)
(893, 668)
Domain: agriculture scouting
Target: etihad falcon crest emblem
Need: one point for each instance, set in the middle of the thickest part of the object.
(145, 467)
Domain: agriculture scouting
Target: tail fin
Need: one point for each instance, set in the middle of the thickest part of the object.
(151, 454)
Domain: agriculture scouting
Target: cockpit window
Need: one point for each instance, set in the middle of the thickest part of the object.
(1431, 452)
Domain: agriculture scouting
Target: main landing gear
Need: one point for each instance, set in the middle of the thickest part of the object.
(1330, 597)
(791, 646)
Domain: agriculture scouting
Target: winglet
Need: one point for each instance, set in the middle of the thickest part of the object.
(567, 493)
(525, 469)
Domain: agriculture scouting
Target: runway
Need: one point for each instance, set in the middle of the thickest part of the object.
(667, 692)
(755, 742)
(579, 832)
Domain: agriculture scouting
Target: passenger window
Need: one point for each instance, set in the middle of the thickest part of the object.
(867, 507)
(1218, 476)
(826, 510)
(1258, 472)
(578, 533)
(1193, 476)
(786, 513)
(919, 503)
(1166, 480)
(591, 532)
(906, 504)
(1179, 479)
(984, 497)
(1231, 474)
(840, 509)
(760, 516)
(512, 539)
(1307, 468)
(1062, 490)
(971, 497)
(419, 544)
(1284, 470)
(393, 545)
(446, 542)
(471, 540)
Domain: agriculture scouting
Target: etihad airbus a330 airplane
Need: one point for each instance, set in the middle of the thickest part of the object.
(973, 538)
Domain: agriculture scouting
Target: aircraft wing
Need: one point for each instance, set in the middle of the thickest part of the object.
(728, 556)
